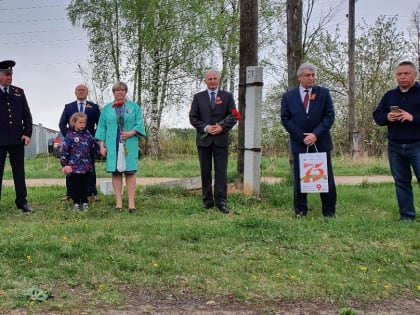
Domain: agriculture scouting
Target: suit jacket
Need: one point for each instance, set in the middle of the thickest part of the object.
(15, 117)
(201, 114)
(91, 110)
(107, 132)
(318, 120)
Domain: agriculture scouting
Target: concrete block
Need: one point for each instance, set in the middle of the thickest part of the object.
(106, 188)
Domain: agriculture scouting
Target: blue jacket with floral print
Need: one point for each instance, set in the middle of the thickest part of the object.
(78, 151)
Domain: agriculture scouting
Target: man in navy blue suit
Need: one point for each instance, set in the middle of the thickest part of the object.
(307, 113)
(208, 109)
(15, 131)
(81, 104)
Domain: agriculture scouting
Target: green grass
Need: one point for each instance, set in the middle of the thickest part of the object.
(259, 254)
(187, 166)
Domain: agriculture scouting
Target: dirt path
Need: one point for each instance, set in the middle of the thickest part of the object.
(194, 183)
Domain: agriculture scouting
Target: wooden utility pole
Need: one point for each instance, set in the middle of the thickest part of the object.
(354, 136)
(294, 41)
(248, 56)
(294, 49)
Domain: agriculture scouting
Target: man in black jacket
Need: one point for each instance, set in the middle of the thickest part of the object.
(15, 131)
(399, 111)
(209, 108)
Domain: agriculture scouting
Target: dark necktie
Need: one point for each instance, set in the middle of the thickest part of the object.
(5, 91)
(213, 100)
(306, 100)
(81, 108)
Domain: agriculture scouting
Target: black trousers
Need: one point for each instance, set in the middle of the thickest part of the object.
(79, 184)
(328, 199)
(92, 190)
(218, 155)
(17, 162)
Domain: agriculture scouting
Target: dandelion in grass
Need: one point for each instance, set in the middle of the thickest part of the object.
(29, 259)
(363, 268)
(387, 286)
(254, 277)
(155, 265)
(66, 240)
(418, 288)
(101, 288)
(293, 277)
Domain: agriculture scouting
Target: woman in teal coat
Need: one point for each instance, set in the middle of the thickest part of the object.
(120, 125)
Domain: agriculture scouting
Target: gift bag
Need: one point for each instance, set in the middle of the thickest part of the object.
(121, 158)
(313, 172)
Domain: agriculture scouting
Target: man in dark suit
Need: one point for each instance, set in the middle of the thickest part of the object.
(307, 113)
(209, 108)
(81, 104)
(15, 131)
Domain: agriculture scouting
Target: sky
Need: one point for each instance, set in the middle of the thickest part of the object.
(48, 49)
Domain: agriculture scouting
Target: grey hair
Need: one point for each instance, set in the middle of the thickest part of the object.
(410, 64)
(306, 66)
(119, 84)
(211, 71)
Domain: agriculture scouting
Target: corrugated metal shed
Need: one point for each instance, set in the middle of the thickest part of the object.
(39, 141)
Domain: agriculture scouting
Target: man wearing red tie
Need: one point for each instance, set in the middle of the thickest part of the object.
(307, 113)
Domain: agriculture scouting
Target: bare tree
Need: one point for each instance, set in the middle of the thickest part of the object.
(312, 28)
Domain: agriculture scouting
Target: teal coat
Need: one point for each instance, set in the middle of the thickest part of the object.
(107, 132)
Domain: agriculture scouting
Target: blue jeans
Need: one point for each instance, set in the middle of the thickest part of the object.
(403, 157)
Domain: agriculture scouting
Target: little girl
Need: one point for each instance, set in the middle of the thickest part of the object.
(78, 150)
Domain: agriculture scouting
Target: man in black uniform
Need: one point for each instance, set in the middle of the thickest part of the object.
(15, 131)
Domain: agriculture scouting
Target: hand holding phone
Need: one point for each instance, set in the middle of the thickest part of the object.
(394, 109)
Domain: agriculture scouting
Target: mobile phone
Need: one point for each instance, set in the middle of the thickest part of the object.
(394, 108)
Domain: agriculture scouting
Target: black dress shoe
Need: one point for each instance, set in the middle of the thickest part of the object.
(26, 208)
(208, 206)
(223, 209)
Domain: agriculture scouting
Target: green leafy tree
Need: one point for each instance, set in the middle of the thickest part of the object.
(162, 48)
(377, 53)
(156, 45)
(102, 21)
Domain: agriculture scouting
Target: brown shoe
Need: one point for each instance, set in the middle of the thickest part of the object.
(65, 198)
(94, 198)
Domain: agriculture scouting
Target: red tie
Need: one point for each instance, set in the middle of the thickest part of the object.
(306, 100)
